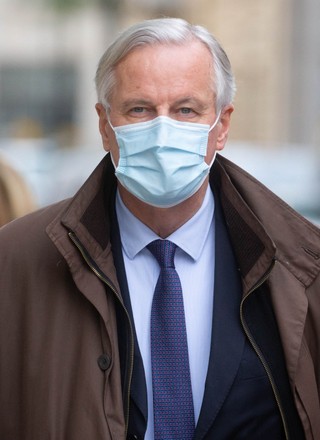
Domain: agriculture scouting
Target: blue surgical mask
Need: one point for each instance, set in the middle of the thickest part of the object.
(162, 161)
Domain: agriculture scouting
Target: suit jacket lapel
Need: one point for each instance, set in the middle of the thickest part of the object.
(227, 335)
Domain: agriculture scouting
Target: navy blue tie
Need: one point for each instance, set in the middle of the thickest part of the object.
(172, 393)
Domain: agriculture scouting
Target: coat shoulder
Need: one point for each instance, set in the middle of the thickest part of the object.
(22, 237)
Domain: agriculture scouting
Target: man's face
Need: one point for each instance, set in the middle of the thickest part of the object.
(173, 81)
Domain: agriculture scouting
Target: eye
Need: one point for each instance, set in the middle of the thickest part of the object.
(186, 113)
(140, 112)
(137, 110)
(186, 110)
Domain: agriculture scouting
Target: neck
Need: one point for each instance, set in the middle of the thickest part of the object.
(164, 221)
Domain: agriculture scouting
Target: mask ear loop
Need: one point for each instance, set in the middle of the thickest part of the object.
(107, 109)
(112, 127)
(211, 128)
(215, 122)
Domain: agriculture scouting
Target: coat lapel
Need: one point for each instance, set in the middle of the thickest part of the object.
(138, 392)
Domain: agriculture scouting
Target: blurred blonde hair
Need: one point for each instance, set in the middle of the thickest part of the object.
(15, 197)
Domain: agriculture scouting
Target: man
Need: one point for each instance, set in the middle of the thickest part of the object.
(84, 353)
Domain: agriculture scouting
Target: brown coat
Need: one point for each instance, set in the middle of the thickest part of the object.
(59, 361)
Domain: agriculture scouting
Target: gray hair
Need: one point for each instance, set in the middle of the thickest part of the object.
(165, 31)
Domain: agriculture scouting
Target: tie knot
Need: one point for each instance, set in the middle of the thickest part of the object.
(163, 251)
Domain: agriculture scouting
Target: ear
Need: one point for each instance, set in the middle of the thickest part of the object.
(224, 126)
(103, 121)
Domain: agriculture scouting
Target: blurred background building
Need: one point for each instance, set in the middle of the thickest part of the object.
(49, 50)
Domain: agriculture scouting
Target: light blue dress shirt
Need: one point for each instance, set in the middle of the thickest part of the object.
(194, 261)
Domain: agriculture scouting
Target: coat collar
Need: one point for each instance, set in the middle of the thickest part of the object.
(86, 217)
(88, 214)
(264, 228)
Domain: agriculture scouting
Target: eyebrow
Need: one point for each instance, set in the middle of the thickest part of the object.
(134, 103)
(191, 100)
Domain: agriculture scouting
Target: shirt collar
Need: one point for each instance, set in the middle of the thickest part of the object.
(135, 235)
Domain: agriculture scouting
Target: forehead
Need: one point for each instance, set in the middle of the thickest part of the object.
(163, 69)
